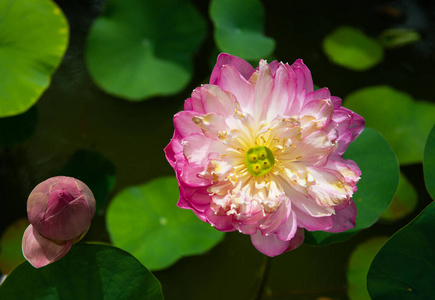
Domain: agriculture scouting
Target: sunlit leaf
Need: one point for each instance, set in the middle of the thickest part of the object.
(138, 49)
(96, 171)
(10, 246)
(351, 48)
(239, 28)
(404, 201)
(94, 272)
(398, 37)
(359, 264)
(376, 188)
(429, 163)
(405, 267)
(403, 122)
(33, 40)
(145, 221)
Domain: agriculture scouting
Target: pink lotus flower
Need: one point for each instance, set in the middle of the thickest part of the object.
(257, 150)
(60, 211)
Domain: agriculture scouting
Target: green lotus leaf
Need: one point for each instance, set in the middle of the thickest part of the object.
(403, 122)
(94, 272)
(404, 268)
(351, 48)
(33, 40)
(429, 163)
(359, 264)
(139, 49)
(239, 28)
(146, 221)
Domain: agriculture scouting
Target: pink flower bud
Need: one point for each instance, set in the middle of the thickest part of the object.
(60, 211)
(61, 208)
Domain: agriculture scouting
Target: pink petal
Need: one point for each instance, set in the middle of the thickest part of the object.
(40, 251)
(211, 124)
(354, 129)
(283, 93)
(270, 244)
(344, 219)
(242, 66)
(184, 124)
(63, 213)
(199, 149)
(336, 101)
(288, 229)
(297, 240)
(220, 222)
(189, 175)
(304, 76)
(263, 88)
(322, 93)
(311, 223)
(216, 100)
(171, 149)
(314, 149)
(67, 224)
(194, 102)
(304, 203)
(277, 219)
(321, 109)
(232, 81)
(329, 189)
(274, 65)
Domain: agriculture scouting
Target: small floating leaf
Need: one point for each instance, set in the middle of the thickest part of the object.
(351, 48)
(239, 28)
(403, 122)
(146, 221)
(139, 49)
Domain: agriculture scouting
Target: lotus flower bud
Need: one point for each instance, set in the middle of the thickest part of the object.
(60, 211)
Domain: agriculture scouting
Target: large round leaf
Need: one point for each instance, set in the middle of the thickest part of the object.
(138, 49)
(403, 122)
(239, 28)
(86, 272)
(33, 39)
(146, 221)
(351, 48)
(405, 267)
(376, 188)
(429, 163)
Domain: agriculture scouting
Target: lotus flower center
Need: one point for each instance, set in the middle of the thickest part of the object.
(259, 160)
